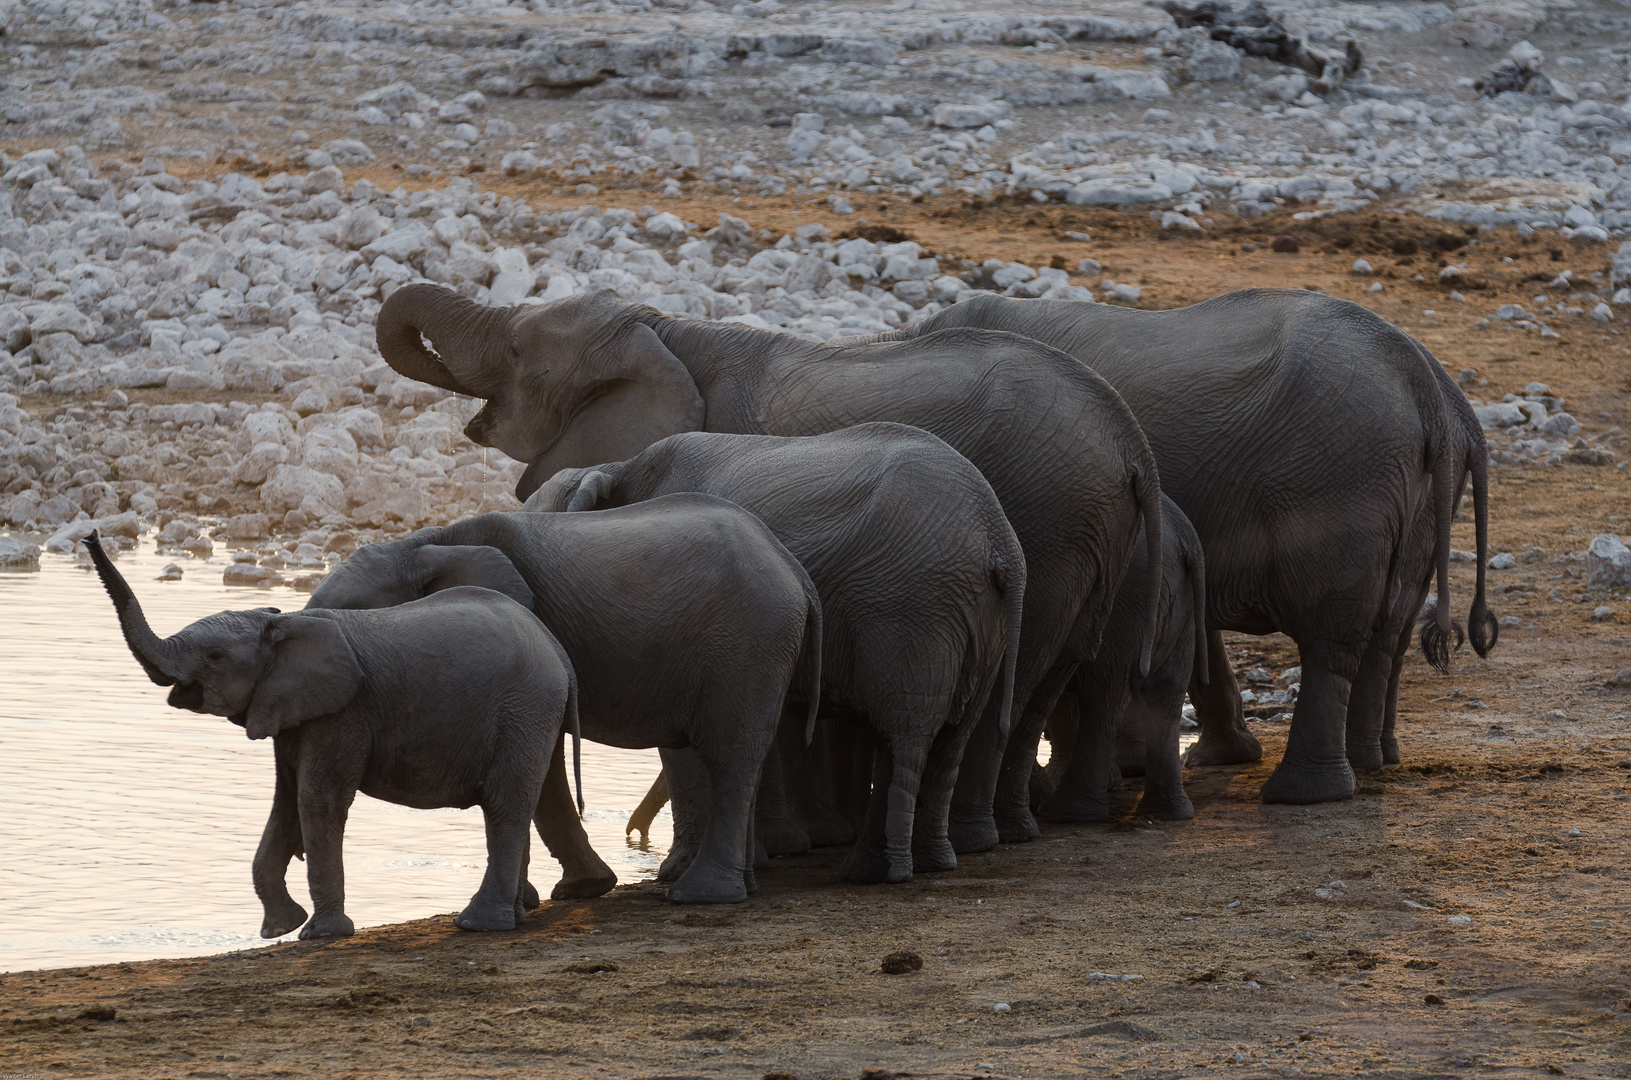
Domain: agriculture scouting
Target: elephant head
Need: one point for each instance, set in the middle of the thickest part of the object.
(399, 571)
(571, 382)
(264, 670)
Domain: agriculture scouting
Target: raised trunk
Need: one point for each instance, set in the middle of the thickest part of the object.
(156, 656)
(469, 339)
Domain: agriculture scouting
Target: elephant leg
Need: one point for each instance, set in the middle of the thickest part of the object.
(280, 842)
(497, 903)
(853, 793)
(1368, 700)
(325, 802)
(970, 825)
(1315, 766)
(689, 787)
(1082, 793)
(1011, 806)
(583, 872)
(897, 777)
(1224, 739)
(647, 811)
(1390, 713)
(808, 781)
(772, 822)
(1154, 712)
(722, 872)
(932, 848)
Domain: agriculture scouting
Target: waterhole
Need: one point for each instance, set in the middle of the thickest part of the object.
(128, 827)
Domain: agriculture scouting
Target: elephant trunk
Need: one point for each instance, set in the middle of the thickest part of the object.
(155, 655)
(469, 339)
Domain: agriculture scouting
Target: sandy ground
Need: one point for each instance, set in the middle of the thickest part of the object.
(1131, 949)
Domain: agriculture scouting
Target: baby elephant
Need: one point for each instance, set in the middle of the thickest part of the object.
(361, 701)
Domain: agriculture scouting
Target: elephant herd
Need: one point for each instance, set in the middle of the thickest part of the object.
(846, 586)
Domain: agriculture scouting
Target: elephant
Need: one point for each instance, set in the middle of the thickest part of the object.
(1111, 714)
(687, 622)
(362, 701)
(1320, 453)
(921, 582)
(593, 378)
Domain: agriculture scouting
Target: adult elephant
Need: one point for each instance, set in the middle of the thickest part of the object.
(1320, 453)
(593, 378)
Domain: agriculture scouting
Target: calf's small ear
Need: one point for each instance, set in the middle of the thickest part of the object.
(447, 566)
(313, 673)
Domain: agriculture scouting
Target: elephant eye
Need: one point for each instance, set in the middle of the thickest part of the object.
(215, 656)
(515, 348)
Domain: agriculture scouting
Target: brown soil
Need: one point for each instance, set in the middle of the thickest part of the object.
(1239, 964)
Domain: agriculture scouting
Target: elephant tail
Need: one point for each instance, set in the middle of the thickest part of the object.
(812, 649)
(1147, 493)
(1008, 575)
(1196, 559)
(1436, 635)
(1481, 625)
(576, 729)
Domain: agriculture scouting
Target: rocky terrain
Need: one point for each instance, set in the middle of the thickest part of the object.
(202, 205)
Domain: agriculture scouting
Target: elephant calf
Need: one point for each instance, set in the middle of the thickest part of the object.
(1109, 700)
(360, 701)
(686, 621)
(921, 582)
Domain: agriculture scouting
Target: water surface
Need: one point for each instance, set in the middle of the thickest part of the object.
(127, 827)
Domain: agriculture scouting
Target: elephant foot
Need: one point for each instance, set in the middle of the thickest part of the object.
(1365, 755)
(1390, 750)
(933, 857)
(1300, 784)
(483, 914)
(709, 885)
(284, 917)
(1166, 807)
(583, 888)
(529, 895)
(678, 862)
(1017, 828)
(867, 867)
(1066, 808)
(1235, 747)
(828, 828)
(327, 926)
(973, 835)
(761, 857)
(782, 837)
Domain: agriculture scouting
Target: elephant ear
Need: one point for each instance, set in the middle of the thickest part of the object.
(624, 396)
(593, 489)
(444, 566)
(313, 673)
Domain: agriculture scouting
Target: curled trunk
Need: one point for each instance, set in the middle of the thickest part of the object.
(469, 339)
(154, 654)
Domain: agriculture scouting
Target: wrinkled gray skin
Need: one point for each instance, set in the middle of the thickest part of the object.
(921, 582)
(1320, 453)
(686, 621)
(593, 378)
(1112, 715)
(364, 701)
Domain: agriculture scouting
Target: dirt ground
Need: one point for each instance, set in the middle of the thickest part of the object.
(1473, 930)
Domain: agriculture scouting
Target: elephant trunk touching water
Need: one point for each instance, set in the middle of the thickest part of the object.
(591, 379)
